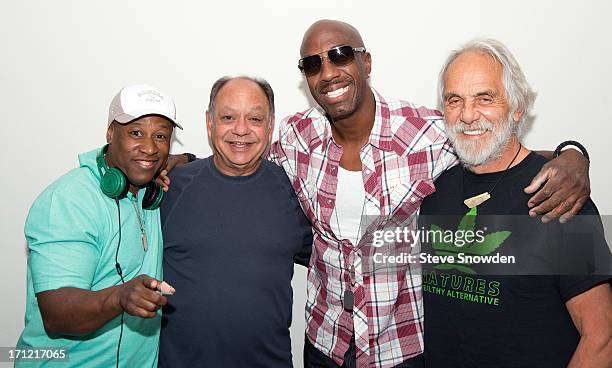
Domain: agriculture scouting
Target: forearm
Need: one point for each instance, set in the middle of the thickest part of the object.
(592, 351)
(591, 313)
(547, 154)
(72, 311)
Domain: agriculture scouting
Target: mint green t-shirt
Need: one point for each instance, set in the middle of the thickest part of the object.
(72, 232)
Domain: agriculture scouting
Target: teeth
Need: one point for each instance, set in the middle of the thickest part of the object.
(473, 132)
(146, 163)
(337, 92)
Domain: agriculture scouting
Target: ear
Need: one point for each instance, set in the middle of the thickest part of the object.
(109, 133)
(271, 132)
(209, 125)
(367, 62)
(516, 116)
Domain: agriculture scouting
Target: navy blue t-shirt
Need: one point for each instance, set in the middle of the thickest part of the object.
(230, 244)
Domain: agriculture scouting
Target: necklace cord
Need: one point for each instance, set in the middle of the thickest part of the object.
(507, 167)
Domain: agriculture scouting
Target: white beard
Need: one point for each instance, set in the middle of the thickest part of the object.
(479, 152)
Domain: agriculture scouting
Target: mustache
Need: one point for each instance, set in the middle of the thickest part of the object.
(326, 84)
(461, 127)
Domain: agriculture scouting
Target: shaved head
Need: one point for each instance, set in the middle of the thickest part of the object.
(340, 87)
(332, 28)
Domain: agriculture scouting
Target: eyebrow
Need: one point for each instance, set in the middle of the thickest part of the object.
(488, 92)
(258, 108)
(450, 95)
(228, 109)
(225, 109)
(141, 125)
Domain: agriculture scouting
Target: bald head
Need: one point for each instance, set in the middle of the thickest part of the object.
(325, 29)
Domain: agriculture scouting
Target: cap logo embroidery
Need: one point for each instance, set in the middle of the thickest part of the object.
(150, 96)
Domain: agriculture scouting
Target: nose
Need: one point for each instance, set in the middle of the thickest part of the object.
(149, 146)
(241, 127)
(469, 113)
(329, 70)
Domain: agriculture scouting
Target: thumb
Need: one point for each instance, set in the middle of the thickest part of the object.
(537, 181)
(166, 289)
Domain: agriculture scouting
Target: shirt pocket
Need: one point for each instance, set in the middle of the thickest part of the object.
(413, 183)
(406, 196)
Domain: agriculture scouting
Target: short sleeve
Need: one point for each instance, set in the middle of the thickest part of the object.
(584, 234)
(63, 241)
(303, 256)
(571, 286)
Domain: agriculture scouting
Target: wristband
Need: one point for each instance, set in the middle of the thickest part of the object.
(572, 143)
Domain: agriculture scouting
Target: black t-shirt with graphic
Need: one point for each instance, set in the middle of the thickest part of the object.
(506, 314)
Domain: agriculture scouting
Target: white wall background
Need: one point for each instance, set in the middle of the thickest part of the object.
(62, 61)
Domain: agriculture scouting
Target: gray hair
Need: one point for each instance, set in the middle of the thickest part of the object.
(518, 91)
(262, 83)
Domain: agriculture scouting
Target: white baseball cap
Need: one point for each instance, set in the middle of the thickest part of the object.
(136, 101)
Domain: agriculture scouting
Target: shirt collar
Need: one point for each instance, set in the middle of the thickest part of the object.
(381, 135)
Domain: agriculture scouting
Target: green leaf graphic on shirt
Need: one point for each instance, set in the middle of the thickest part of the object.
(459, 267)
(439, 243)
(468, 223)
(491, 243)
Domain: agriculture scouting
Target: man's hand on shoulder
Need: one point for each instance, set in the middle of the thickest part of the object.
(162, 178)
(562, 187)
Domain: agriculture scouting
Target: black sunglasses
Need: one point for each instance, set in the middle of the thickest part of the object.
(340, 56)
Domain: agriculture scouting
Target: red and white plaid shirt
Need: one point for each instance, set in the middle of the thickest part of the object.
(407, 151)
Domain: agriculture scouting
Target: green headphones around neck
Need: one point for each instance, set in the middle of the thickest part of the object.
(114, 184)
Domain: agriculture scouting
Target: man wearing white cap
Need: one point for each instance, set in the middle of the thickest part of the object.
(95, 246)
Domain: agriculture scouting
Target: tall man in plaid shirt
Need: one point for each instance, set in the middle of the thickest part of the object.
(355, 317)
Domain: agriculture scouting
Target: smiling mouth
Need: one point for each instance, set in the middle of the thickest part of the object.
(337, 92)
(240, 145)
(475, 132)
(146, 164)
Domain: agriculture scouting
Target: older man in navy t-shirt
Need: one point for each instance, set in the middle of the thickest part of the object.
(233, 229)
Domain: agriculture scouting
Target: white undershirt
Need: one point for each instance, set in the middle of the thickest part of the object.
(350, 198)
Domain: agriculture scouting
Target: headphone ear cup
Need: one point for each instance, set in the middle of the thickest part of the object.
(114, 183)
(153, 196)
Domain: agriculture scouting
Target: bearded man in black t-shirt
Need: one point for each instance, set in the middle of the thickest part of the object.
(517, 292)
